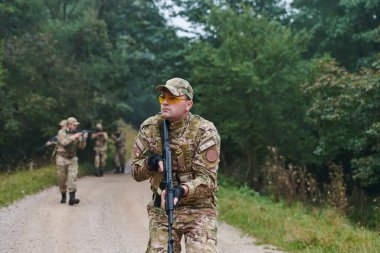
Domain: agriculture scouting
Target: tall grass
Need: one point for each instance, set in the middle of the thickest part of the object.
(294, 228)
(17, 185)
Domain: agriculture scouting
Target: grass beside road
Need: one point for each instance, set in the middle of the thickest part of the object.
(16, 185)
(293, 228)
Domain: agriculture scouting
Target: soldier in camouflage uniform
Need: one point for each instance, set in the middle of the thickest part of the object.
(119, 140)
(67, 160)
(195, 148)
(101, 138)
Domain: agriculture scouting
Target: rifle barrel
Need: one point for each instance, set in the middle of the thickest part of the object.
(169, 183)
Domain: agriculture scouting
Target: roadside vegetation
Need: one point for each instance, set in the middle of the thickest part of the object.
(293, 228)
(16, 185)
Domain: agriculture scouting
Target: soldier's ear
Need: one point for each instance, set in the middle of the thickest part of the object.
(189, 104)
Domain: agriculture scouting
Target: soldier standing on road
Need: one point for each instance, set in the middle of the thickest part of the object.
(119, 139)
(101, 138)
(195, 148)
(67, 160)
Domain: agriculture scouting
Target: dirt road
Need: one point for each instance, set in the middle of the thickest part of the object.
(111, 217)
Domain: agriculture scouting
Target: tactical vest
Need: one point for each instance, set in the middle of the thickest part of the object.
(183, 144)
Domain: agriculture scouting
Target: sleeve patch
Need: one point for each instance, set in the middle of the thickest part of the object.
(207, 144)
(212, 155)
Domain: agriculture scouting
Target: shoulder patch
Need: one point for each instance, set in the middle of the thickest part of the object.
(212, 155)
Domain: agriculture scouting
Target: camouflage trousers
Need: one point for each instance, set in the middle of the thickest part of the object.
(199, 226)
(67, 171)
(120, 157)
(100, 158)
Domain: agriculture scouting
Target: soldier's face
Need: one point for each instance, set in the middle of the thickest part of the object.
(175, 111)
(72, 126)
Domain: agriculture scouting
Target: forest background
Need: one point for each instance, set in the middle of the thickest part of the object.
(294, 89)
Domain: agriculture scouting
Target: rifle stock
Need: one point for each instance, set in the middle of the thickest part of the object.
(51, 140)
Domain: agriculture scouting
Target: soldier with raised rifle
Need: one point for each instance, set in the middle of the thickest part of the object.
(68, 141)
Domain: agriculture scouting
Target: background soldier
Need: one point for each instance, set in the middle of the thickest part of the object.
(195, 148)
(101, 138)
(66, 159)
(120, 153)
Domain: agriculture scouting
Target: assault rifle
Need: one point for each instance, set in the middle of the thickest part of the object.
(82, 131)
(52, 140)
(168, 177)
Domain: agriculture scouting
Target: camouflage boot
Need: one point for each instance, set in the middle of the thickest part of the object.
(72, 199)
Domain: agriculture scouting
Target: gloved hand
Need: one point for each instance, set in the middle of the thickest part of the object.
(153, 162)
(178, 193)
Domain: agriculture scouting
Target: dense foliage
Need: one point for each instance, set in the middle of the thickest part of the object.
(269, 67)
(345, 111)
(95, 60)
(253, 67)
(346, 29)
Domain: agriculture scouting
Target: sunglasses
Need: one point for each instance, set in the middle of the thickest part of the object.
(170, 99)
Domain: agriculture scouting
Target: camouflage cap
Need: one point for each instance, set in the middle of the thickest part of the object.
(99, 126)
(177, 87)
(63, 123)
(72, 120)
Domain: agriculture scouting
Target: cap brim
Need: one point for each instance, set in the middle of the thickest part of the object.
(171, 89)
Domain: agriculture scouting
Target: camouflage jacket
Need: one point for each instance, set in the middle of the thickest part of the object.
(67, 145)
(195, 147)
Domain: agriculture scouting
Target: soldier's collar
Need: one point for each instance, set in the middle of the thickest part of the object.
(180, 123)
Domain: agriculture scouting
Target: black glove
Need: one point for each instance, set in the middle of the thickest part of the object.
(178, 193)
(153, 162)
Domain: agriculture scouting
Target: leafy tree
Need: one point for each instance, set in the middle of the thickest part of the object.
(246, 82)
(345, 112)
(347, 30)
(149, 49)
(197, 12)
(28, 85)
(19, 16)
